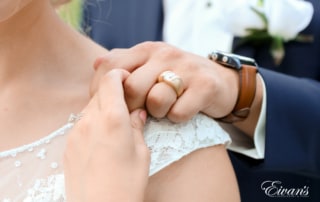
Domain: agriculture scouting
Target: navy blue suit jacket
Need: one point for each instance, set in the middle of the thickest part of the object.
(293, 104)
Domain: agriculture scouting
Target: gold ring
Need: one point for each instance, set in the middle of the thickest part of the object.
(172, 80)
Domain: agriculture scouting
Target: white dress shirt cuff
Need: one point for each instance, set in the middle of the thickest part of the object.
(242, 143)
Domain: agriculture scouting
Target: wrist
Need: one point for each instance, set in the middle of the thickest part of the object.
(247, 70)
(230, 91)
(248, 126)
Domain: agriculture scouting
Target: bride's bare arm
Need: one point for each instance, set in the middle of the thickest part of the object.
(205, 175)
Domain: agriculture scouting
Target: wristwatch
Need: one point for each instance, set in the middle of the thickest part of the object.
(247, 69)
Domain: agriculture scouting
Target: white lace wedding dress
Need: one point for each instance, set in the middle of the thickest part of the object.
(34, 172)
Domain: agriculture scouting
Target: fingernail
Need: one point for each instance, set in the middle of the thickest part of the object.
(143, 116)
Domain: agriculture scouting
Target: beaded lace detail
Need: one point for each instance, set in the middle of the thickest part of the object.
(34, 172)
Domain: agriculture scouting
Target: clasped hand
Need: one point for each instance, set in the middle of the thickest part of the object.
(106, 158)
(208, 88)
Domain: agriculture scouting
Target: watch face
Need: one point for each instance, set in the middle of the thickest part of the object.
(231, 60)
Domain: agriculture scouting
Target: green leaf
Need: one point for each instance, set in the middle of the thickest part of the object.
(261, 15)
(258, 34)
(260, 3)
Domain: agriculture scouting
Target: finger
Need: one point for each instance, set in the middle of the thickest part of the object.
(110, 93)
(139, 83)
(139, 56)
(138, 119)
(186, 106)
(128, 59)
(160, 100)
(108, 110)
(94, 86)
(112, 55)
(117, 58)
(109, 99)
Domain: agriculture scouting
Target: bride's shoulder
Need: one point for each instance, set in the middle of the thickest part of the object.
(92, 48)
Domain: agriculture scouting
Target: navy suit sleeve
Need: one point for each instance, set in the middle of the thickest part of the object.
(292, 123)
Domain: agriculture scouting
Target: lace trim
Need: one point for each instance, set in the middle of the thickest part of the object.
(170, 142)
(73, 118)
(162, 157)
(47, 139)
(51, 189)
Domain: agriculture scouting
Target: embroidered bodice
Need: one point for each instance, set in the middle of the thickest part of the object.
(34, 172)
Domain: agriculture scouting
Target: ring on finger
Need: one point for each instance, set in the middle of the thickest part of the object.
(173, 80)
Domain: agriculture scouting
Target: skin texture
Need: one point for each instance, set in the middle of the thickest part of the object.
(9, 8)
(48, 79)
(45, 74)
(185, 179)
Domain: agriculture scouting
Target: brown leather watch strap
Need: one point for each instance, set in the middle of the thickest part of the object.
(247, 91)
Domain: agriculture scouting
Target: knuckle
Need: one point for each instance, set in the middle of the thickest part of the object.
(105, 61)
(160, 49)
(169, 52)
(191, 64)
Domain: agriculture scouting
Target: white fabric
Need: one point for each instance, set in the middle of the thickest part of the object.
(244, 145)
(34, 172)
(198, 28)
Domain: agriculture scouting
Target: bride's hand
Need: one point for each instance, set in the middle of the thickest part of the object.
(106, 158)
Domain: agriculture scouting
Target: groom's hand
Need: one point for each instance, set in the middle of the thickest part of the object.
(207, 87)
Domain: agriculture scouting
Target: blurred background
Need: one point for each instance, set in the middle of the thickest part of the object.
(71, 13)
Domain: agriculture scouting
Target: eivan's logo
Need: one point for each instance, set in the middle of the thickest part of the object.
(276, 189)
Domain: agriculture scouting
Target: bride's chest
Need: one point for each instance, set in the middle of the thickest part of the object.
(34, 172)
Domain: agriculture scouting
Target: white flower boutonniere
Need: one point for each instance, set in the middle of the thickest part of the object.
(273, 21)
